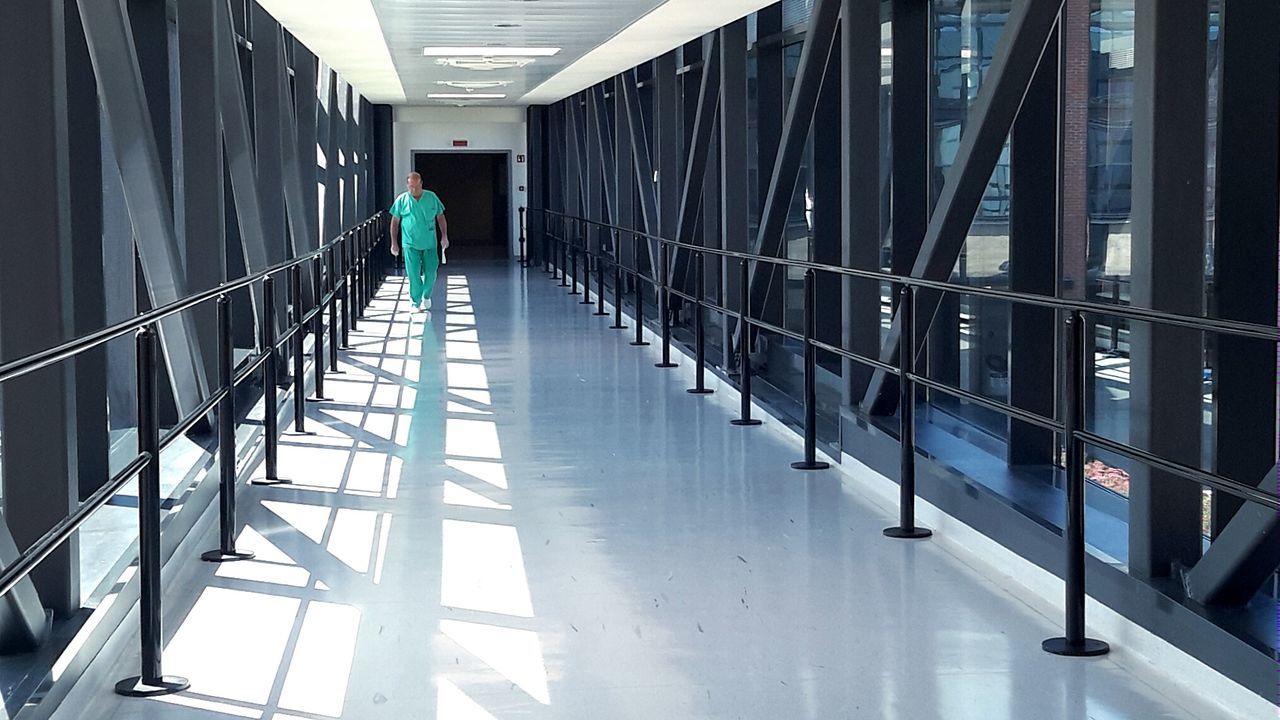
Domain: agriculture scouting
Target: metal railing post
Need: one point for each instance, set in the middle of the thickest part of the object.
(1074, 643)
(270, 392)
(359, 272)
(226, 443)
(373, 267)
(343, 270)
(299, 374)
(811, 461)
(548, 251)
(744, 350)
(600, 285)
(352, 297)
(617, 297)
(561, 258)
(371, 272)
(152, 681)
(906, 527)
(586, 275)
(331, 286)
(523, 260)
(317, 325)
(564, 258)
(700, 338)
(364, 269)
(664, 308)
(573, 260)
(638, 280)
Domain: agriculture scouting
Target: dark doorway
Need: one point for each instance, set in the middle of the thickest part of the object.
(474, 189)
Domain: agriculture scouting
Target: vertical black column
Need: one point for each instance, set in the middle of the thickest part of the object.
(267, 66)
(1168, 274)
(860, 185)
(331, 129)
(735, 189)
(1033, 228)
(828, 237)
(771, 103)
(593, 162)
(148, 22)
(625, 180)
(909, 117)
(86, 215)
(384, 160)
(201, 215)
(1244, 263)
(770, 95)
(666, 145)
(573, 200)
(41, 465)
(306, 114)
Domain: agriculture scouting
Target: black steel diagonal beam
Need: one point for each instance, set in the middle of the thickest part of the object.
(233, 117)
(818, 45)
(643, 161)
(1242, 556)
(124, 103)
(603, 136)
(302, 232)
(699, 150)
(1022, 43)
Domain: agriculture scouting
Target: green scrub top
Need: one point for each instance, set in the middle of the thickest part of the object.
(418, 219)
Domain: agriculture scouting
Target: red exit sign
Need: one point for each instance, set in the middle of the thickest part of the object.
(460, 143)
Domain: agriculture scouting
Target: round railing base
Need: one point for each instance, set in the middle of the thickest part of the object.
(217, 556)
(135, 687)
(806, 465)
(915, 533)
(1087, 648)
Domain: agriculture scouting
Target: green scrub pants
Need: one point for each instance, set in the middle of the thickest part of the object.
(421, 266)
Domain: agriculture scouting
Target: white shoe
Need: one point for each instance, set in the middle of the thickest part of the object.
(426, 304)
(417, 308)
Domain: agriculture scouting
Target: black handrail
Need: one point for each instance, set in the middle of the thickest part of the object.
(71, 348)
(1233, 327)
(151, 682)
(1075, 642)
(1225, 484)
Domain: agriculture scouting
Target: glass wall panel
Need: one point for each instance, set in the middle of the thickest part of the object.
(969, 339)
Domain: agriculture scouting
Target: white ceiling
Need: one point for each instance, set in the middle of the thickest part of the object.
(376, 45)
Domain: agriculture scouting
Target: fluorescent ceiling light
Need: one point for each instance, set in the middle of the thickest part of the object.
(465, 96)
(350, 38)
(668, 26)
(474, 84)
(485, 64)
(489, 51)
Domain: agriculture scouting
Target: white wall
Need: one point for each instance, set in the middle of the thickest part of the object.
(491, 129)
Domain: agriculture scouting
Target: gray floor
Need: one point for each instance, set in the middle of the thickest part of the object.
(510, 513)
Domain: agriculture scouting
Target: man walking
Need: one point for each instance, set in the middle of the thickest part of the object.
(413, 228)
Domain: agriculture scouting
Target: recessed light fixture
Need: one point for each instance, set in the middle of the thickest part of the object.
(489, 51)
(506, 25)
(471, 85)
(485, 63)
(465, 96)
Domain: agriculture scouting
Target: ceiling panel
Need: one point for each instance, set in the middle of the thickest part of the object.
(576, 26)
(376, 45)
